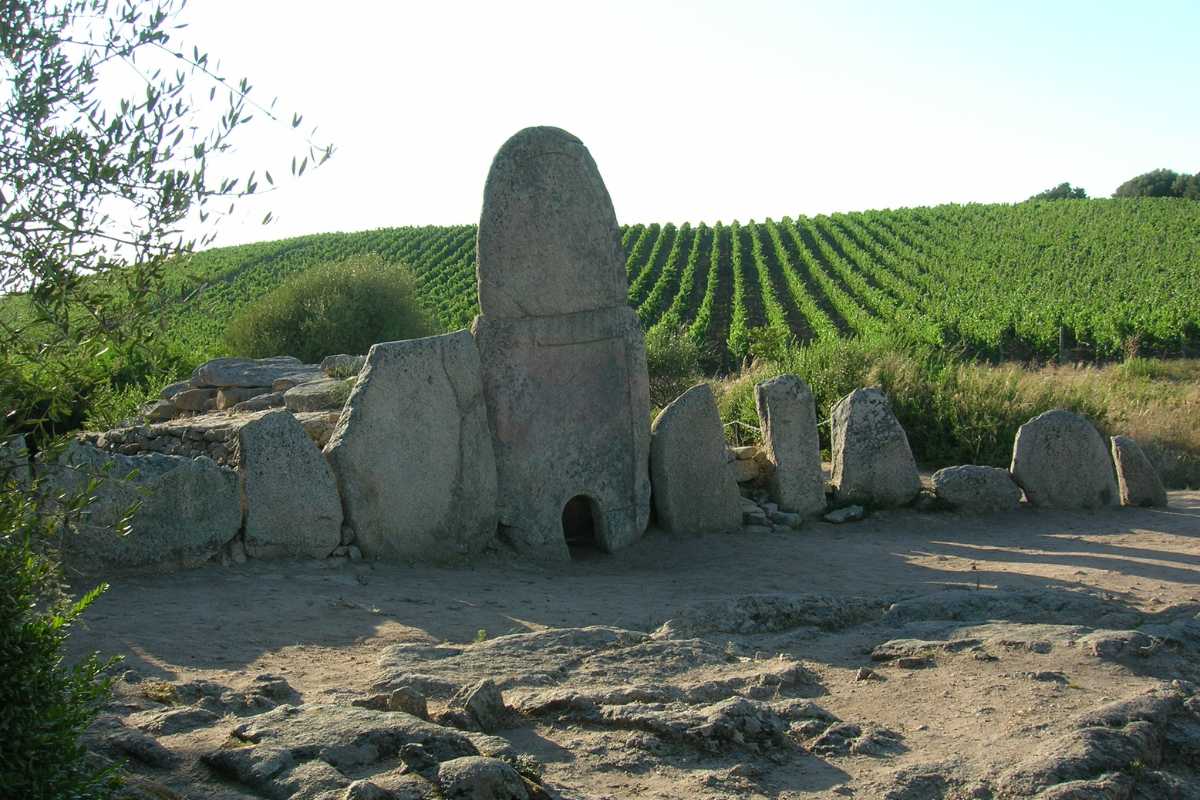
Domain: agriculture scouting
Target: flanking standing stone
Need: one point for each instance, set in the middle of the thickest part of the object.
(787, 414)
(872, 462)
(184, 509)
(1061, 461)
(291, 498)
(1137, 479)
(563, 358)
(412, 452)
(694, 489)
(977, 489)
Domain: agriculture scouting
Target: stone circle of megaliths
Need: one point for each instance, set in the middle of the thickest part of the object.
(531, 431)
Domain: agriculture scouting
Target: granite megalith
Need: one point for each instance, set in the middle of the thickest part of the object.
(694, 489)
(977, 489)
(1137, 479)
(787, 414)
(412, 452)
(562, 355)
(290, 496)
(147, 510)
(1062, 461)
(872, 462)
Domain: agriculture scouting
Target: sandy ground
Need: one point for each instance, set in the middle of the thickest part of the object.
(324, 625)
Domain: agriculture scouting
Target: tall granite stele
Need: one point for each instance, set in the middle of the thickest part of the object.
(564, 362)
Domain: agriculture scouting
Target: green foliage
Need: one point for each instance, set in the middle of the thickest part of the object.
(1161, 183)
(996, 281)
(1064, 191)
(340, 307)
(97, 181)
(673, 362)
(46, 704)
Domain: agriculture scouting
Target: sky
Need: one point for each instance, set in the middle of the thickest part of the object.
(705, 111)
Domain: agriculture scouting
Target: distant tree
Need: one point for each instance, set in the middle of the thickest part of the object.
(1156, 183)
(1187, 186)
(1064, 191)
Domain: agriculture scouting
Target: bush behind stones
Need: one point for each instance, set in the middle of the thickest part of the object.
(337, 307)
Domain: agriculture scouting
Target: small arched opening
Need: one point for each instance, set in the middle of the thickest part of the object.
(581, 526)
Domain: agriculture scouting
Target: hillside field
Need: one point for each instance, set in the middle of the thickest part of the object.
(998, 281)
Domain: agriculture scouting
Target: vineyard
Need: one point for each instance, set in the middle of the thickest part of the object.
(998, 281)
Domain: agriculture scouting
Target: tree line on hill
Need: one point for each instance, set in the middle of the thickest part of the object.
(1156, 183)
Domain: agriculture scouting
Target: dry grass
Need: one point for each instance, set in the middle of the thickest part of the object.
(965, 412)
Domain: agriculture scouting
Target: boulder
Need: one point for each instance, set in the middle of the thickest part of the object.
(694, 489)
(342, 366)
(291, 498)
(259, 402)
(1061, 461)
(317, 395)
(291, 379)
(221, 372)
(562, 353)
(480, 778)
(183, 510)
(194, 399)
(160, 411)
(872, 462)
(787, 414)
(1137, 479)
(744, 471)
(977, 489)
(174, 388)
(230, 396)
(412, 452)
(319, 425)
(485, 703)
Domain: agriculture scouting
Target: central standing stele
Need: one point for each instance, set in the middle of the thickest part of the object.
(562, 356)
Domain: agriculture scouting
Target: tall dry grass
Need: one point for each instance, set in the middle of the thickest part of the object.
(961, 412)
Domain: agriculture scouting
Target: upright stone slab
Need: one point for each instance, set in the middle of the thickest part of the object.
(412, 452)
(694, 489)
(291, 499)
(184, 509)
(1062, 461)
(564, 363)
(788, 417)
(1137, 479)
(872, 462)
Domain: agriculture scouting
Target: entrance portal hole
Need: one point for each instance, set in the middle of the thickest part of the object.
(580, 524)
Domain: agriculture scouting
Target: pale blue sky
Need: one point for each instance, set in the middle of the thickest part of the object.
(706, 111)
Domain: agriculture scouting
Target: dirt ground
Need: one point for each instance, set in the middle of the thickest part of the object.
(954, 721)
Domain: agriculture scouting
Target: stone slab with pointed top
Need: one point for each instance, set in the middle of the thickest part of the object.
(1137, 480)
(787, 414)
(872, 462)
(694, 489)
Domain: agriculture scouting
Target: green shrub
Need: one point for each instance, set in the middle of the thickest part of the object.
(338, 307)
(44, 704)
(673, 361)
